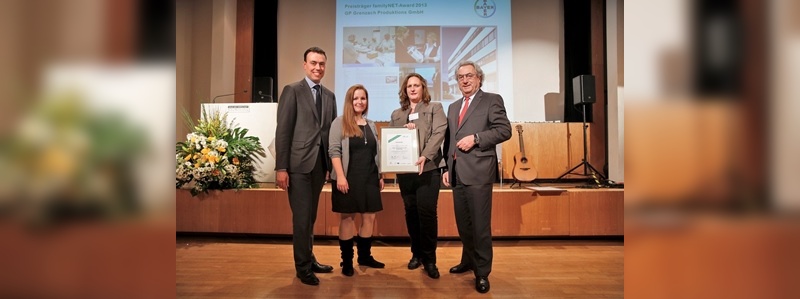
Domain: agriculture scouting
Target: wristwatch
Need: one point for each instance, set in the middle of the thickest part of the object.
(477, 140)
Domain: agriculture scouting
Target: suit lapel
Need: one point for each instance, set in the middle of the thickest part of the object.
(473, 104)
(421, 107)
(452, 115)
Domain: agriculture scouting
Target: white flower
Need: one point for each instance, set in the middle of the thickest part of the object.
(181, 173)
(219, 143)
(201, 172)
(232, 170)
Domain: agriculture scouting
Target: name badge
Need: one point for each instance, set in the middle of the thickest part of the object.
(413, 116)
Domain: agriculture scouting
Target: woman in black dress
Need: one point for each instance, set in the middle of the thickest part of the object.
(357, 179)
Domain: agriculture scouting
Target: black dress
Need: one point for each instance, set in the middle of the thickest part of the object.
(364, 195)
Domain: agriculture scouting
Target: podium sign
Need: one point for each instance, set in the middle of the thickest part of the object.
(261, 119)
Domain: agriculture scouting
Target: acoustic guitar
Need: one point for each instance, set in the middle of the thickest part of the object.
(523, 168)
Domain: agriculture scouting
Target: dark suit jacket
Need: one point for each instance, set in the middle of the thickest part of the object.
(486, 116)
(431, 126)
(300, 130)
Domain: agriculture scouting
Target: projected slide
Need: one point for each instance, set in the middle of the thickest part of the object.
(379, 42)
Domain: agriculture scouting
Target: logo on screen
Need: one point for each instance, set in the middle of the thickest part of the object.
(484, 8)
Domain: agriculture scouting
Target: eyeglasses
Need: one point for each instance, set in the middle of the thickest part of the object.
(468, 76)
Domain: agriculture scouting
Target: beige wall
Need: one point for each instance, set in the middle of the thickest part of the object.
(615, 79)
(538, 55)
(205, 48)
(183, 64)
(316, 28)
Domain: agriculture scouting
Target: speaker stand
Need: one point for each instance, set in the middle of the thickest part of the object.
(584, 162)
(519, 183)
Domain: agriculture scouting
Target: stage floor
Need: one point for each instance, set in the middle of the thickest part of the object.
(263, 268)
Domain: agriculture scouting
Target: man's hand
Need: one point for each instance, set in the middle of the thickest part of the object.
(446, 179)
(466, 143)
(282, 179)
(410, 126)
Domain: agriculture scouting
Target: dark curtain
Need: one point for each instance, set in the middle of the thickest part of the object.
(577, 54)
(265, 47)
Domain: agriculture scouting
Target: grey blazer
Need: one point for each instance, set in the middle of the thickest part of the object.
(340, 146)
(300, 130)
(486, 116)
(431, 126)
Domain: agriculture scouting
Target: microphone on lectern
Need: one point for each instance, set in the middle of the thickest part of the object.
(214, 100)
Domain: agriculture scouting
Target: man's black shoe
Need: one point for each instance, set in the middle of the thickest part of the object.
(414, 263)
(482, 284)
(308, 278)
(460, 268)
(320, 268)
(432, 271)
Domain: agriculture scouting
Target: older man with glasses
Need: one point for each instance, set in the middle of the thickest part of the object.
(476, 124)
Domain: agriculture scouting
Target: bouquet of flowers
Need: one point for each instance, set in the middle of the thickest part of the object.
(217, 155)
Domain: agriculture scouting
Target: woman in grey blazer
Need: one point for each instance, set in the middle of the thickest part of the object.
(420, 191)
(354, 151)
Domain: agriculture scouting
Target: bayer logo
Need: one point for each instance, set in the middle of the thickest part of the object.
(484, 8)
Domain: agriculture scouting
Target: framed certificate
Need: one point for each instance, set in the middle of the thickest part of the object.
(399, 150)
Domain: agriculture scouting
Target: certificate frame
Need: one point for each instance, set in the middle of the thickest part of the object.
(399, 150)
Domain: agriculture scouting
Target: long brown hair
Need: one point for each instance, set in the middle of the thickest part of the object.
(349, 125)
(405, 102)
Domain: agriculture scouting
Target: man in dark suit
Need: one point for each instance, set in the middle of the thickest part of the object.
(305, 111)
(476, 124)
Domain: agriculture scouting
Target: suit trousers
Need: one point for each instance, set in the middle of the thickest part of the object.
(421, 198)
(473, 209)
(304, 191)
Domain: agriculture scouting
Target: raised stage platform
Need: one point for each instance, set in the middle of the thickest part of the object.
(516, 212)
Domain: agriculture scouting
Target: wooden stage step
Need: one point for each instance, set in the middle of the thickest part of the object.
(517, 212)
